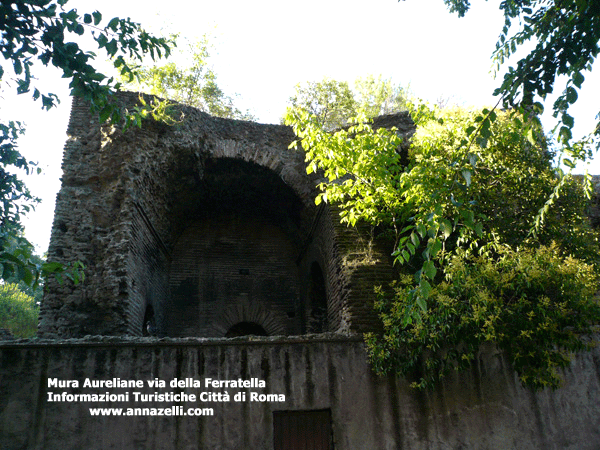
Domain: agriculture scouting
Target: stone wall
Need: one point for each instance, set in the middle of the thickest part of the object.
(484, 409)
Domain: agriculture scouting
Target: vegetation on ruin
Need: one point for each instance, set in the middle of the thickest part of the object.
(333, 102)
(18, 311)
(492, 243)
(192, 82)
(46, 32)
(476, 261)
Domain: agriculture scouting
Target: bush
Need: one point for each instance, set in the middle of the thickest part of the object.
(18, 311)
(534, 304)
(491, 244)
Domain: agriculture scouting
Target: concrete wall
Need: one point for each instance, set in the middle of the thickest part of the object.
(484, 409)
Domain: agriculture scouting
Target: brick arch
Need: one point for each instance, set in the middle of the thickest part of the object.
(288, 165)
(202, 136)
(272, 322)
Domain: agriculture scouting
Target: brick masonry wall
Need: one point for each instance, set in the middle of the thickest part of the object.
(229, 269)
(147, 269)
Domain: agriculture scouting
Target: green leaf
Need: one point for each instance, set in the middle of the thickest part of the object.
(424, 287)
(467, 176)
(565, 134)
(481, 141)
(113, 23)
(568, 120)
(17, 66)
(571, 95)
(429, 269)
(415, 239)
(473, 159)
(578, 79)
(111, 47)
(422, 230)
(446, 228)
(436, 246)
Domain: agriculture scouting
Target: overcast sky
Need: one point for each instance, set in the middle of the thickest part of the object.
(263, 48)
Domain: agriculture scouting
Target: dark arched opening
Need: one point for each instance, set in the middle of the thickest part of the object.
(317, 295)
(246, 329)
(237, 233)
(149, 324)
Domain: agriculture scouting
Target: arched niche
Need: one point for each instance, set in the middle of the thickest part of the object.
(316, 321)
(238, 236)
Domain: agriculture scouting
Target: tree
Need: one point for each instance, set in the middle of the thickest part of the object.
(18, 311)
(45, 31)
(460, 215)
(333, 103)
(565, 34)
(378, 96)
(194, 84)
(330, 102)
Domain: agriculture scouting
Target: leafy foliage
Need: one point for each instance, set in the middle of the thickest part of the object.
(534, 304)
(16, 198)
(357, 161)
(40, 32)
(333, 103)
(18, 311)
(195, 84)
(466, 201)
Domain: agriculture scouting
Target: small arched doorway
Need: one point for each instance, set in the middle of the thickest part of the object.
(245, 329)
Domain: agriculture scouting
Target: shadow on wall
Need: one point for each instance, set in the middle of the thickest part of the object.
(238, 264)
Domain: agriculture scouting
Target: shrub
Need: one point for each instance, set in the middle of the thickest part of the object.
(535, 304)
(18, 311)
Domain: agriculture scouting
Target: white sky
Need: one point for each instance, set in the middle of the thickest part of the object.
(263, 48)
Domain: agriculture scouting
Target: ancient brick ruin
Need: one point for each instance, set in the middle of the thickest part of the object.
(192, 229)
(206, 257)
